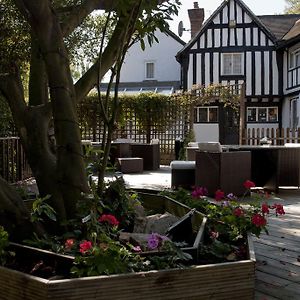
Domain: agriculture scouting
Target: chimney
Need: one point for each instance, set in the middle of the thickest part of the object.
(196, 16)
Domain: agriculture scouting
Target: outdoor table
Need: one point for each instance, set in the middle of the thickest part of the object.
(149, 152)
(272, 166)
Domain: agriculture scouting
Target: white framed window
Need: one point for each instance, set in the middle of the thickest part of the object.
(262, 114)
(232, 64)
(294, 120)
(149, 70)
(294, 59)
(206, 114)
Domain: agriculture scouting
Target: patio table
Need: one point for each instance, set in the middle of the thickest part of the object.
(273, 166)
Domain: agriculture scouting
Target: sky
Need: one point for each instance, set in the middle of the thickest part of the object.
(258, 7)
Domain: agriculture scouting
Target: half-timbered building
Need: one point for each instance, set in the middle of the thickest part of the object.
(234, 46)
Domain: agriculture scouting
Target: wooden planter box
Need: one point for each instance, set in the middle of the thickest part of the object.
(233, 280)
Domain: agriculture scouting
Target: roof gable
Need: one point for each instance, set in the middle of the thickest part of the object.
(279, 25)
(215, 16)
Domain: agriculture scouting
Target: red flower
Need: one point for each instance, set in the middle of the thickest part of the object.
(219, 195)
(239, 212)
(199, 192)
(258, 220)
(85, 246)
(109, 219)
(265, 208)
(278, 209)
(69, 243)
(249, 184)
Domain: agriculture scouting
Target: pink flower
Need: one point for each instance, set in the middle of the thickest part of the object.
(85, 246)
(109, 219)
(238, 212)
(278, 209)
(249, 184)
(219, 195)
(69, 243)
(265, 208)
(258, 220)
(136, 249)
(199, 192)
(214, 235)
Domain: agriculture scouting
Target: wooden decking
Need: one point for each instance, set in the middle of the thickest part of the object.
(278, 254)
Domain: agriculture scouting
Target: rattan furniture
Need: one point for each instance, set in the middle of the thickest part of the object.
(182, 174)
(130, 164)
(226, 171)
(150, 154)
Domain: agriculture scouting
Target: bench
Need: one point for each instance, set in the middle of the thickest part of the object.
(130, 164)
(182, 174)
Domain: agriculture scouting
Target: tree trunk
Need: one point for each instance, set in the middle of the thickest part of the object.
(14, 216)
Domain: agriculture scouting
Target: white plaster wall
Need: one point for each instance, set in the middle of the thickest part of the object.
(162, 54)
(206, 132)
(286, 113)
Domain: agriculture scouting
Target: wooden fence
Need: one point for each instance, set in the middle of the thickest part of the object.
(174, 124)
(13, 165)
(278, 136)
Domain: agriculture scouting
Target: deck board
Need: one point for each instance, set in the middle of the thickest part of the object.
(278, 253)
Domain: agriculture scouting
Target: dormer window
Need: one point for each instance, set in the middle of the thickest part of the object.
(232, 64)
(149, 70)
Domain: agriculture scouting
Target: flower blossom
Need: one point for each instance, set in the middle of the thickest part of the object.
(258, 220)
(249, 184)
(85, 246)
(278, 209)
(231, 197)
(219, 195)
(69, 243)
(238, 212)
(265, 208)
(136, 249)
(214, 235)
(199, 192)
(110, 219)
(155, 241)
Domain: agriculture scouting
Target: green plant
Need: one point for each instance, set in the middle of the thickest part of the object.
(4, 242)
(40, 208)
(229, 219)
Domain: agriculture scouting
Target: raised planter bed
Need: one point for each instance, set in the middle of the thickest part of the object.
(233, 280)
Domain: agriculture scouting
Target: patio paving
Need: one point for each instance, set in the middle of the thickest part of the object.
(277, 254)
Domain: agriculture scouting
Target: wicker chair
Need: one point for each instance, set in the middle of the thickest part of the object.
(226, 171)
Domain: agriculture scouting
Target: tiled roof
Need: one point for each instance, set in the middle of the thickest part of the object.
(279, 25)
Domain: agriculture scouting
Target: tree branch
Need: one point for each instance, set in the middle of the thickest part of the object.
(90, 78)
(78, 13)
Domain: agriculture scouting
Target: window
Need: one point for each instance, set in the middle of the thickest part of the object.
(294, 59)
(262, 114)
(293, 113)
(206, 114)
(149, 70)
(232, 64)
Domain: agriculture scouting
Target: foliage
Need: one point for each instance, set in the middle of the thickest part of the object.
(6, 121)
(227, 95)
(4, 242)
(149, 109)
(15, 37)
(230, 218)
(40, 208)
(293, 6)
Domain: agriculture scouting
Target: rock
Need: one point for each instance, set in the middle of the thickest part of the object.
(159, 223)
